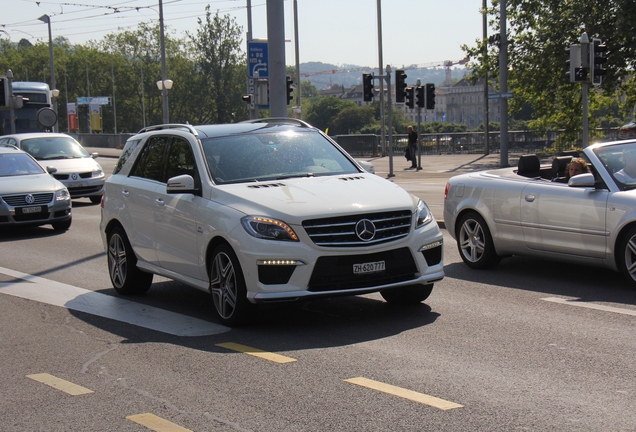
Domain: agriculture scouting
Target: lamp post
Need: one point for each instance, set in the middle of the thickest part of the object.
(47, 19)
(164, 86)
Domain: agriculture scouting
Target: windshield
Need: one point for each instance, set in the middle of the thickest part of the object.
(273, 156)
(18, 164)
(48, 148)
(620, 161)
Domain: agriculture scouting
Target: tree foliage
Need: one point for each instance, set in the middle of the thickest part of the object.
(538, 34)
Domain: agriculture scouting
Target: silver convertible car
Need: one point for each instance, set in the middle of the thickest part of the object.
(535, 210)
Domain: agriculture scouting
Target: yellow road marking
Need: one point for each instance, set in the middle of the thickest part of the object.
(256, 352)
(404, 393)
(60, 384)
(155, 423)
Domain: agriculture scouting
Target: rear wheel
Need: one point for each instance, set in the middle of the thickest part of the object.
(627, 256)
(474, 242)
(407, 295)
(227, 287)
(122, 265)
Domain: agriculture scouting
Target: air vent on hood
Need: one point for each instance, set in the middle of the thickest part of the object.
(351, 178)
(267, 185)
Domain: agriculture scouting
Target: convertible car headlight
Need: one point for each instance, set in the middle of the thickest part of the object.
(269, 229)
(424, 215)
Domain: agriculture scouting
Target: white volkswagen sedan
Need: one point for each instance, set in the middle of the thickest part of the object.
(535, 210)
(263, 211)
(74, 167)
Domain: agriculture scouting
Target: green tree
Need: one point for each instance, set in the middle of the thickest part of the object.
(539, 33)
(323, 112)
(217, 48)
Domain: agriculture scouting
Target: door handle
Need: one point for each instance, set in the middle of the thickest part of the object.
(530, 198)
(159, 202)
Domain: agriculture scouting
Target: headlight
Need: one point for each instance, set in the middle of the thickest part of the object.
(424, 215)
(62, 195)
(269, 229)
(98, 173)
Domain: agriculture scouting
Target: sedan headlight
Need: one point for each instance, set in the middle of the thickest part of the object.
(62, 195)
(424, 215)
(98, 173)
(267, 228)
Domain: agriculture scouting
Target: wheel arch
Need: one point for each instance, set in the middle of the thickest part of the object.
(617, 243)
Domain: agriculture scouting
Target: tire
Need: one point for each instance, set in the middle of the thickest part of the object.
(627, 256)
(62, 226)
(126, 278)
(227, 287)
(407, 295)
(96, 199)
(474, 242)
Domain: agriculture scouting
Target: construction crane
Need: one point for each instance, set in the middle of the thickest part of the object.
(447, 67)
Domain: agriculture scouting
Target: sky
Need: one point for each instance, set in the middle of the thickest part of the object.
(340, 32)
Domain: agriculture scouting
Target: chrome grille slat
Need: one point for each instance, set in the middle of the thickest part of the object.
(340, 231)
(20, 200)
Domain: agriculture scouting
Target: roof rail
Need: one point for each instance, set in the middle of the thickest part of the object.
(188, 127)
(280, 120)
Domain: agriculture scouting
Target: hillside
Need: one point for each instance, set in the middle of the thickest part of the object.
(324, 75)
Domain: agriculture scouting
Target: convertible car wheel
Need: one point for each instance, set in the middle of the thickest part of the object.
(475, 242)
(122, 265)
(627, 256)
(227, 287)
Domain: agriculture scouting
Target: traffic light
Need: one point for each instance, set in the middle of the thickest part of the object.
(247, 99)
(419, 96)
(400, 85)
(597, 59)
(367, 87)
(290, 90)
(573, 62)
(410, 97)
(4, 92)
(430, 96)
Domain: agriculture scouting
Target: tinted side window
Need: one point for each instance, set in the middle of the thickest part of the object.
(125, 154)
(180, 160)
(150, 161)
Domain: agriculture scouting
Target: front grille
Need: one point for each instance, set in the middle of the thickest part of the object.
(20, 200)
(341, 231)
(333, 273)
(65, 177)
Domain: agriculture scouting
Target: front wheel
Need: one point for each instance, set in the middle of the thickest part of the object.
(474, 242)
(627, 256)
(62, 226)
(227, 287)
(122, 265)
(407, 295)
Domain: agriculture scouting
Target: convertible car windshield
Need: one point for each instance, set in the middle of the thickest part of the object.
(620, 162)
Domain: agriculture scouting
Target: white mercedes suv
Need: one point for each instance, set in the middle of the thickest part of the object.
(262, 211)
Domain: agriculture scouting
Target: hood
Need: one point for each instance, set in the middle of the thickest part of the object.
(294, 200)
(29, 184)
(69, 166)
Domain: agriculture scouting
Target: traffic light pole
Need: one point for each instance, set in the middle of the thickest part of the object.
(585, 59)
(419, 133)
(390, 117)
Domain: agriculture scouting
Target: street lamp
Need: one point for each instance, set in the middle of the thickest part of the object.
(47, 19)
(163, 86)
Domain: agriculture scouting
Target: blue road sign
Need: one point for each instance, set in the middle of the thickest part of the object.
(257, 60)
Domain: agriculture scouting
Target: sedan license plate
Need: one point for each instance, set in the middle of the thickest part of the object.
(370, 267)
(37, 209)
(76, 184)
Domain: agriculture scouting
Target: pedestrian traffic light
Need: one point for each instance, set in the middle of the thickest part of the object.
(400, 85)
(419, 96)
(367, 87)
(290, 89)
(410, 97)
(4, 92)
(597, 59)
(430, 96)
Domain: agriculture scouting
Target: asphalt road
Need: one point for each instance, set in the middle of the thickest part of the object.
(530, 345)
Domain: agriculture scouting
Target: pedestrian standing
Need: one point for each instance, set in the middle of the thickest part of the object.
(412, 141)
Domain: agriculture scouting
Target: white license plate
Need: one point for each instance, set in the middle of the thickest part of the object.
(75, 184)
(31, 209)
(370, 267)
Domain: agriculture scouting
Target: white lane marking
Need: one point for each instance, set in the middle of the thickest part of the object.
(82, 300)
(590, 305)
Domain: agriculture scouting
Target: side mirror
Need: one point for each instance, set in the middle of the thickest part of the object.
(582, 180)
(94, 155)
(181, 184)
(51, 169)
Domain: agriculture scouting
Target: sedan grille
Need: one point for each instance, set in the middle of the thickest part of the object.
(359, 230)
(20, 200)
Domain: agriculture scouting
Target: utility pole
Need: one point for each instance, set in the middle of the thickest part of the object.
(585, 64)
(485, 60)
(503, 86)
(382, 121)
(276, 48)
